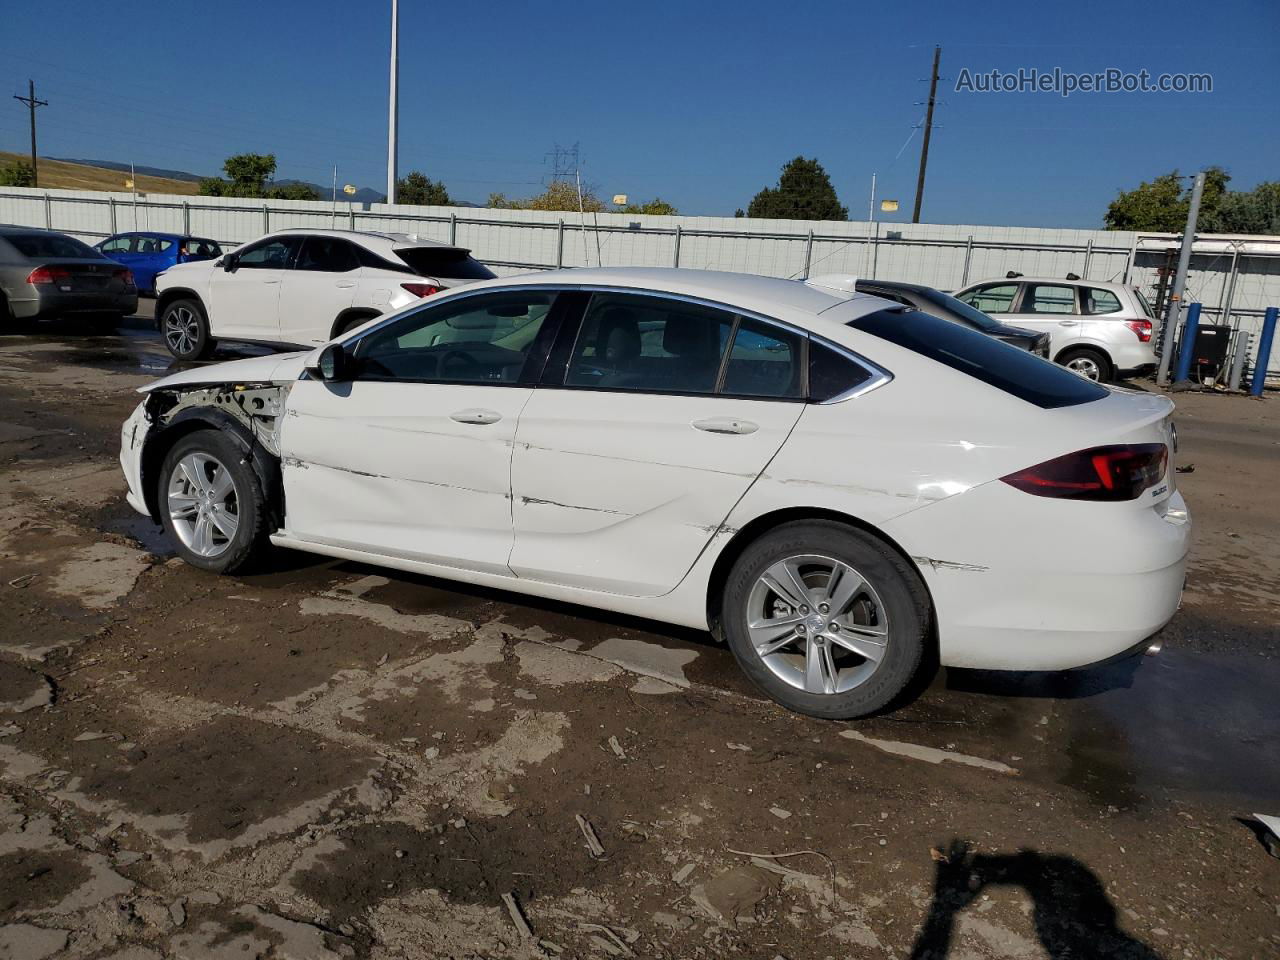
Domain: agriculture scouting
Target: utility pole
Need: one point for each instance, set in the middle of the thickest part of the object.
(928, 130)
(31, 102)
(1174, 312)
(393, 120)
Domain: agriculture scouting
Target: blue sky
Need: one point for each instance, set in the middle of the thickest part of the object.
(697, 102)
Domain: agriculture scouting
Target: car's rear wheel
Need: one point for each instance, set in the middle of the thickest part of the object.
(825, 619)
(211, 502)
(186, 330)
(1090, 364)
(351, 321)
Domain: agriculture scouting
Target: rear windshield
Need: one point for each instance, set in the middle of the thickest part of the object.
(43, 246)
(972, 314)
(984, 358)
(449, 263)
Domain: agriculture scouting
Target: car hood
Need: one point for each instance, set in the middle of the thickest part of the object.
(275, 367)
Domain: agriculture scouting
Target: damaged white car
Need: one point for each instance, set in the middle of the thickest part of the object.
(842, 488)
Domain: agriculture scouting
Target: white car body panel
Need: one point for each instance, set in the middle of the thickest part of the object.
(241, 304)
(613, 500)
(620, 492)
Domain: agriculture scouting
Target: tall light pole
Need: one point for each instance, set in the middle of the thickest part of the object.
(1174, 311)
(393, 120)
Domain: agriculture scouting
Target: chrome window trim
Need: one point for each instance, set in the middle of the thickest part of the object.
(878, 376)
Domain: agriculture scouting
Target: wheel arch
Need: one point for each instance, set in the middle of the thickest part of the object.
(176, 293)
(1089, 345)
(759, 526)
(191, 420)
(348, 315)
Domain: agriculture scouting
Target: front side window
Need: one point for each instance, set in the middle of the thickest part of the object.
(480, 339)
(650, 344)
(118, 245)
(1095, 300)
(327, 255)
(271, 254)
(1049, 298)
(993, 298)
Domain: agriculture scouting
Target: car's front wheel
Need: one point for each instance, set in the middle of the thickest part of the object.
(186, 330)
(211, 502)
(826, 619)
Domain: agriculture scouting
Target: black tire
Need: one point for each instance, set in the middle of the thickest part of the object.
(249, 541)
(902, 597)
(344, 324)
(185, 328)
(1085, 360)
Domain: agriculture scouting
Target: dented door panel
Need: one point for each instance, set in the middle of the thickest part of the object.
(386, 467)
(620, 492)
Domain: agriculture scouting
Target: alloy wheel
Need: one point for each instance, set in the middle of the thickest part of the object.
(181, 330)
(817, 624)
(1087, 367)
(203, 504)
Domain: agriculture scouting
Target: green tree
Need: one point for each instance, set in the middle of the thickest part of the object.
(416, 187)
(247, 176)
(1162, 204)
(17, 174)
(1252, 211)
(293, 191)
(804, 192)
(657, 207)
(559, 195)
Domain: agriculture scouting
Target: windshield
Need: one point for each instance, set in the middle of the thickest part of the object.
(972, 314)
(40, 246)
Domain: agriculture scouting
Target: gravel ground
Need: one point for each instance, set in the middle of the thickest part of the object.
(329, 760)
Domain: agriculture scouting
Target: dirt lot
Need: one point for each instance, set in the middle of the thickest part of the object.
(326, 760)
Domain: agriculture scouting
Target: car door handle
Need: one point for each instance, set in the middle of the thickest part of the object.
(726, 425)
(1067, 323)
(277, 280)
(474, 415)
(345, 283)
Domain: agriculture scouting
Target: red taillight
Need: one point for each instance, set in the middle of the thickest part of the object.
(1141, 327)
(420, 289)
(124, 274)
(48, 275)
(1118, 472)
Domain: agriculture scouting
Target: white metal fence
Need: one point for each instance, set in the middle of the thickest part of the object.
(1235, 278)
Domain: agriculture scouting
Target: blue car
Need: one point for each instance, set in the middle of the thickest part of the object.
(148, 254)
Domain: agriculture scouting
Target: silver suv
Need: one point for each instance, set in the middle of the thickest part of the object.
(1095, 328)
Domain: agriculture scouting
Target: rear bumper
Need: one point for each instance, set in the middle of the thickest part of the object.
(1046, 585)
(50, 303)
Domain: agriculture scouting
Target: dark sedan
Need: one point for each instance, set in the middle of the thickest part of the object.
(46, 274)
(943, 305)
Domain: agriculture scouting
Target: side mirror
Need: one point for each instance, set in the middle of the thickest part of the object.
(333, 365)
(229, 262)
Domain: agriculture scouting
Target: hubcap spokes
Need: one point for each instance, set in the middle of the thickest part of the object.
(817, 624)
(203, 504)
(181, 330)
(1085, 367)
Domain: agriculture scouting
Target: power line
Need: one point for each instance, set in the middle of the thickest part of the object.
(32, 103)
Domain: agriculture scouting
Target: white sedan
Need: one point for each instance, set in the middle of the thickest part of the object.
(842, 488)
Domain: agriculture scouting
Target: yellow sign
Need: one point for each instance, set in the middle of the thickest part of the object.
(889, 206)
(128, 184)
(620, 199)
(348, 189)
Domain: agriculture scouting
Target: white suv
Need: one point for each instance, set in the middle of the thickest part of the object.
(1095, 328)
(302, 287)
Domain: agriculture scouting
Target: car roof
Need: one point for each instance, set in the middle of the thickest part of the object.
(798, 301)
(374, 239)
(1059, 281)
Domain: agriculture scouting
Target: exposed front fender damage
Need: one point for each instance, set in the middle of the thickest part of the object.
(249, 413)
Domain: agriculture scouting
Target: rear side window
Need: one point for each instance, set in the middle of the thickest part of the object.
(1048, 298)
(984, 358)
(327, 255)
(40, 246)
(154, 244)
(1094, 300)
(447, 263)
(832, 374)
(764, 361)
